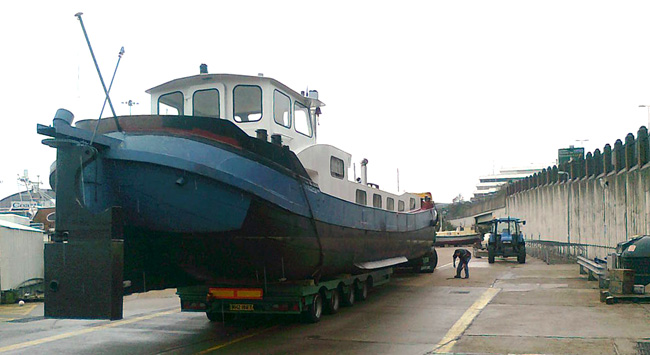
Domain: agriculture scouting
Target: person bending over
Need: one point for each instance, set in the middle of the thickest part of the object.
(463, 262)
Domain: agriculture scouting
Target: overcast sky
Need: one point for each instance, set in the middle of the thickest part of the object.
(444, 91)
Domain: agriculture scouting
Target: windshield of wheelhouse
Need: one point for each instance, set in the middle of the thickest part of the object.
(171, 104)
(247, 103)
(205, 103)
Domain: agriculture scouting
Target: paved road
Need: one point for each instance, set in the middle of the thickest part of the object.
(503, 308)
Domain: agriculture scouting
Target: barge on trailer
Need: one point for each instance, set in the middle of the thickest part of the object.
(206, 198)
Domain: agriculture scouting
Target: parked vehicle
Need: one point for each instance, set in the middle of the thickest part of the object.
(505, 239)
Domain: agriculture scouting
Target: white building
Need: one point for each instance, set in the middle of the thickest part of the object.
(21, 253)
(490, 184)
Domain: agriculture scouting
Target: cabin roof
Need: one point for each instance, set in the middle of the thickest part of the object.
(202, 79)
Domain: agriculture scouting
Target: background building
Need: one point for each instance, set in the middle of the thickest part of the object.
(490, 184)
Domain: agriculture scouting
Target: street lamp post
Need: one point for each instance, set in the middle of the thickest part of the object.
(568, 210)
(648, 107)
(130, 103)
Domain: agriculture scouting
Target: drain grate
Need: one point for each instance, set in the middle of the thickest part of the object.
(464, 292)
(643, 348)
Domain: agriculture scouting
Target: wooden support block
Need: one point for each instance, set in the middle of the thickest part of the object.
(623, 275)
(620, 288)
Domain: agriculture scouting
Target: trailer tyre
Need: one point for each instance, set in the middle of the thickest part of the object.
(332, 305)
(362, 291)
(433, 262)
(348, 298)
(314, 311)
(219, 317)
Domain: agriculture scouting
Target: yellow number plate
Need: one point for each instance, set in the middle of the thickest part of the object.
(241, 307)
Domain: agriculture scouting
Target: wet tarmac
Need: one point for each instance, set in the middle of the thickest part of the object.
(504, 307)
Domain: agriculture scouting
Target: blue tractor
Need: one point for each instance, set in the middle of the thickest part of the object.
(505, 239)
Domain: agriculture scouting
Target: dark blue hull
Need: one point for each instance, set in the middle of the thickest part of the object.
(236, 235)
(204, 211)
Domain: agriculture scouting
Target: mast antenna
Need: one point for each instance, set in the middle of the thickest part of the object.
(83, 28)
(119, 57)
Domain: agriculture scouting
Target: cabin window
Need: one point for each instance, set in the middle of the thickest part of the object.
(400, 206)
(362, 199)
(247, 103)
(376, 200)
(171, 104)
(302, 118)
(281, 109)
(390, 204)
(411, 204)
(337, 168)
(205, 103)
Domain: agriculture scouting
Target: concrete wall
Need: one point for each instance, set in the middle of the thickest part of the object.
(596, 202)
(601, 210)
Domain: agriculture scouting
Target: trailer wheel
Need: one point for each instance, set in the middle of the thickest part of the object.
(213, 317)
(348, 298)
(434, 259)
(332, 305)
(219, 317)
(362, 291)
(314, 311)
(433, 262)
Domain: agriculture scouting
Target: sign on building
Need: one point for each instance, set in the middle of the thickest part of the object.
(564, 155)
(22, 205)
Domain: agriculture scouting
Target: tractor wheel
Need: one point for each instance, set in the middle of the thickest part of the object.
(491, 253)
(521, 257)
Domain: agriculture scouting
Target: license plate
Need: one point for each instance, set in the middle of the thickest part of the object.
(241, 307)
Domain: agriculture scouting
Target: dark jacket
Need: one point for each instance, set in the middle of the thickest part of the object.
(462, 254)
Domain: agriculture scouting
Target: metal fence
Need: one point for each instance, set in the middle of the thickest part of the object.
(553, 252)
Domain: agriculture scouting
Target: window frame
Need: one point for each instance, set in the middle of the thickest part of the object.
(218, 101)
(401, 206)
(181, 111)
(234, 107)
(309, 120)
(377, 200)
(390, 204)
(290, 106)
(365, 197)
(412, 204)
(332, 172)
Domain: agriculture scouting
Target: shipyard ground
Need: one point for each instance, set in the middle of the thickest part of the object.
(502, 308)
